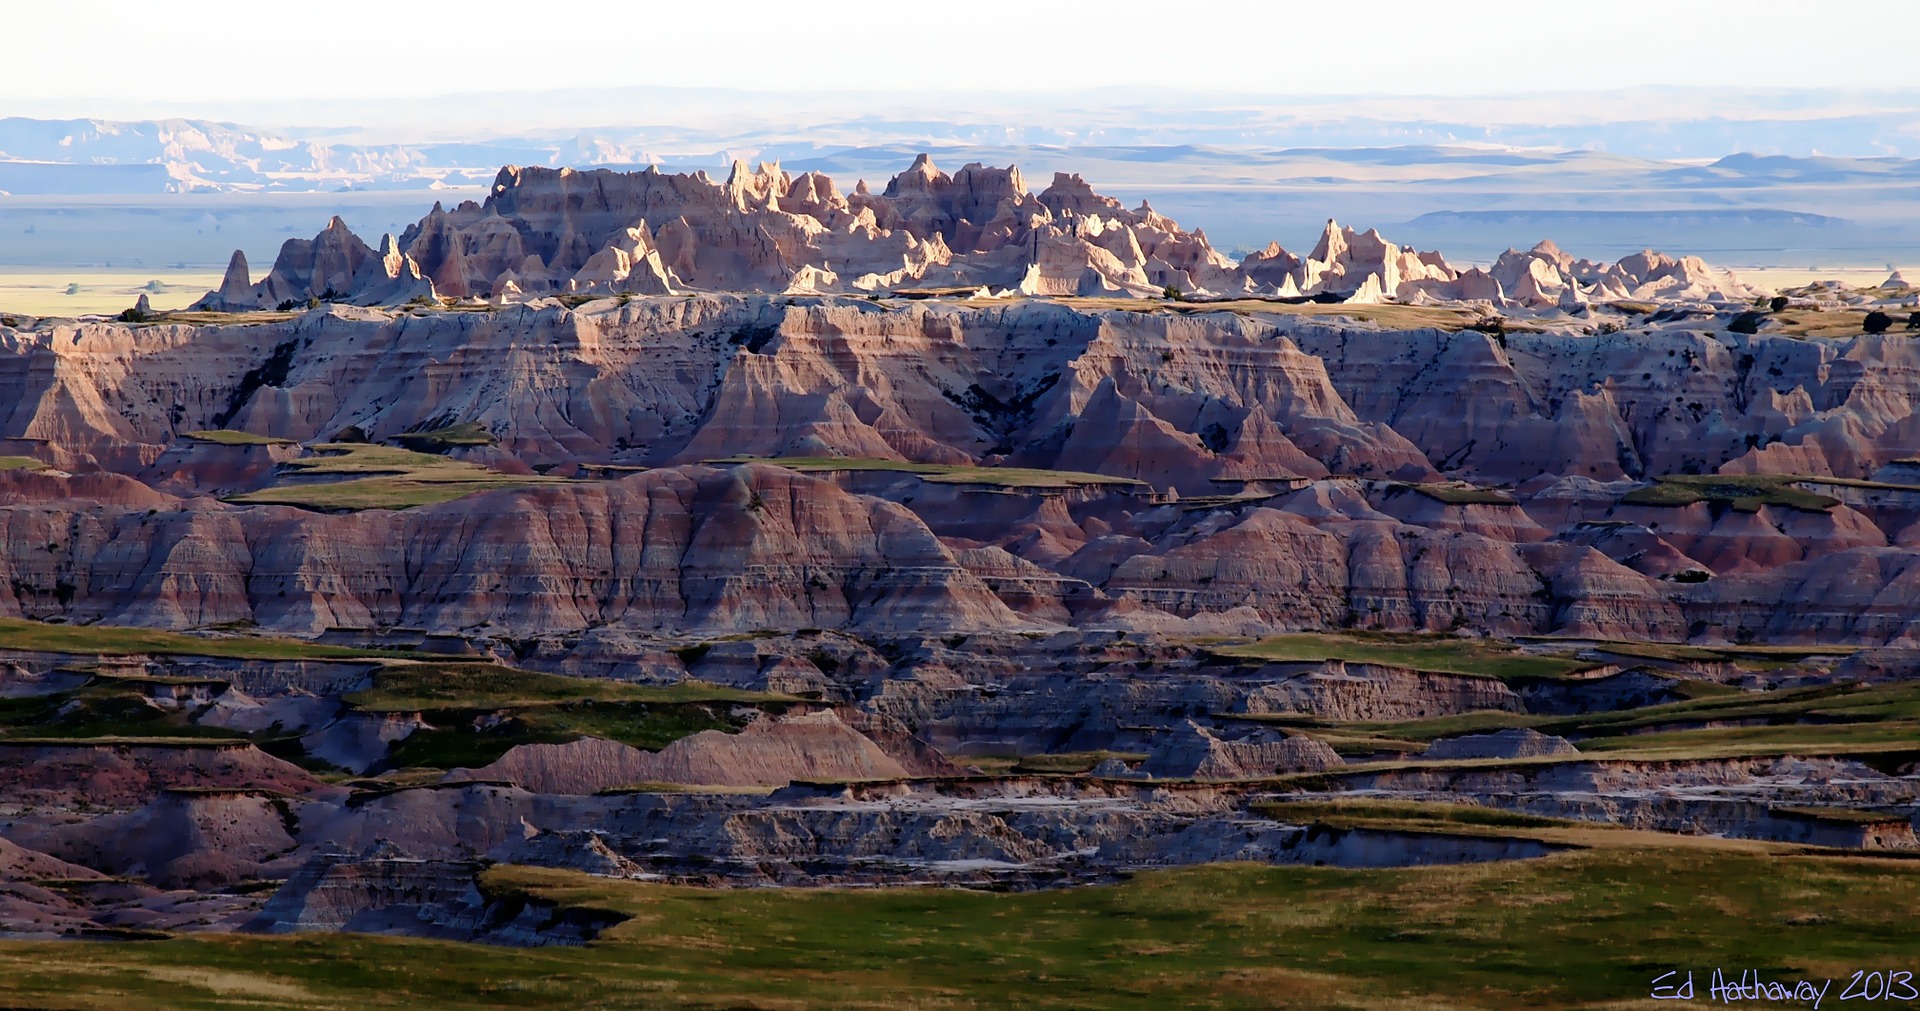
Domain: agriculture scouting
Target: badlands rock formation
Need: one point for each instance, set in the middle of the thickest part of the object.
(697, 550)
(1257, 470)
(545, 231)
(769, 752)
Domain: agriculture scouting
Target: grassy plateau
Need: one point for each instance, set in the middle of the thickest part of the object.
(113, 640)
(345, 477)
(1010, 477)
(1444, 654)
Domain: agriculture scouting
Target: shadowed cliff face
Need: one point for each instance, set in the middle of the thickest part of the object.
(1292, 472)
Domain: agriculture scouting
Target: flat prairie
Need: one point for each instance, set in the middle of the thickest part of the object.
(34, 292)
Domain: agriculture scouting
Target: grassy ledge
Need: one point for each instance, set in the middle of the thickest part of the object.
(1437, 653)
(1745, 493)
(114, 640)
(1010, 477)
(414, 687)
(229, 437)
(345, 477)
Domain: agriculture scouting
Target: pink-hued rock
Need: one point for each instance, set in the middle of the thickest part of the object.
(109, 774)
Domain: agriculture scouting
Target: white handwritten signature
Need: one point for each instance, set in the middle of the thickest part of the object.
(1870, 985)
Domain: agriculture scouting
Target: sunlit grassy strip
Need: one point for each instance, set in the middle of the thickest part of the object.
(1392, 814)
(1442, 654)
(1844, 712)
(20, 463)
(1453, 494)
(251, 318)
(113, 640)
(367, 458)
(1744, 492)
(1583, 929)
(1014, 477)
(1403, 317)
(1679, 651)
(1887, 756)
(381, 477)
(415, 687)
(1820, 322)
(230, 437)
(380, 492)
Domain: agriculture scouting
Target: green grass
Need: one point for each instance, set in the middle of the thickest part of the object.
(1010, 477)
(1070, 762)
(1846, 719)
(1440, 653)
(456, 742)
(361, 458)
(1454, 494)
(437, 440)
(20, 463)
(100, 709)
(475, 712)
(523, 707)
(1840, 815)
(376, 493)
(1385, 315)
(379, 477)
(229, 437)
(1582, 929)
(1402, 815)
(1748, 657)
(113, 640)
(414, 687)
(1745, 493)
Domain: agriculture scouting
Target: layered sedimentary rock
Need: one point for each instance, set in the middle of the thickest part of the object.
(1327, 474)
(132, 773)
(748, 547)
(1169, 399)
(1514, 742)
(561, 231)
(1195, 752)
(769, 752)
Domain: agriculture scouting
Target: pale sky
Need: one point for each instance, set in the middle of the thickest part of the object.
(60, 51)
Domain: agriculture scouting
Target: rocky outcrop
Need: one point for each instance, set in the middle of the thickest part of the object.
(1196, 752)
(130, 774)
(182, 838)
(560, 231)
(1513, 742)
(768, 752)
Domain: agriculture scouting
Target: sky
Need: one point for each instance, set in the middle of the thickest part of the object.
(104, 57)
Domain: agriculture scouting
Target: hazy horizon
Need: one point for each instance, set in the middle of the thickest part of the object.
(1253, 122)
(210, 53)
